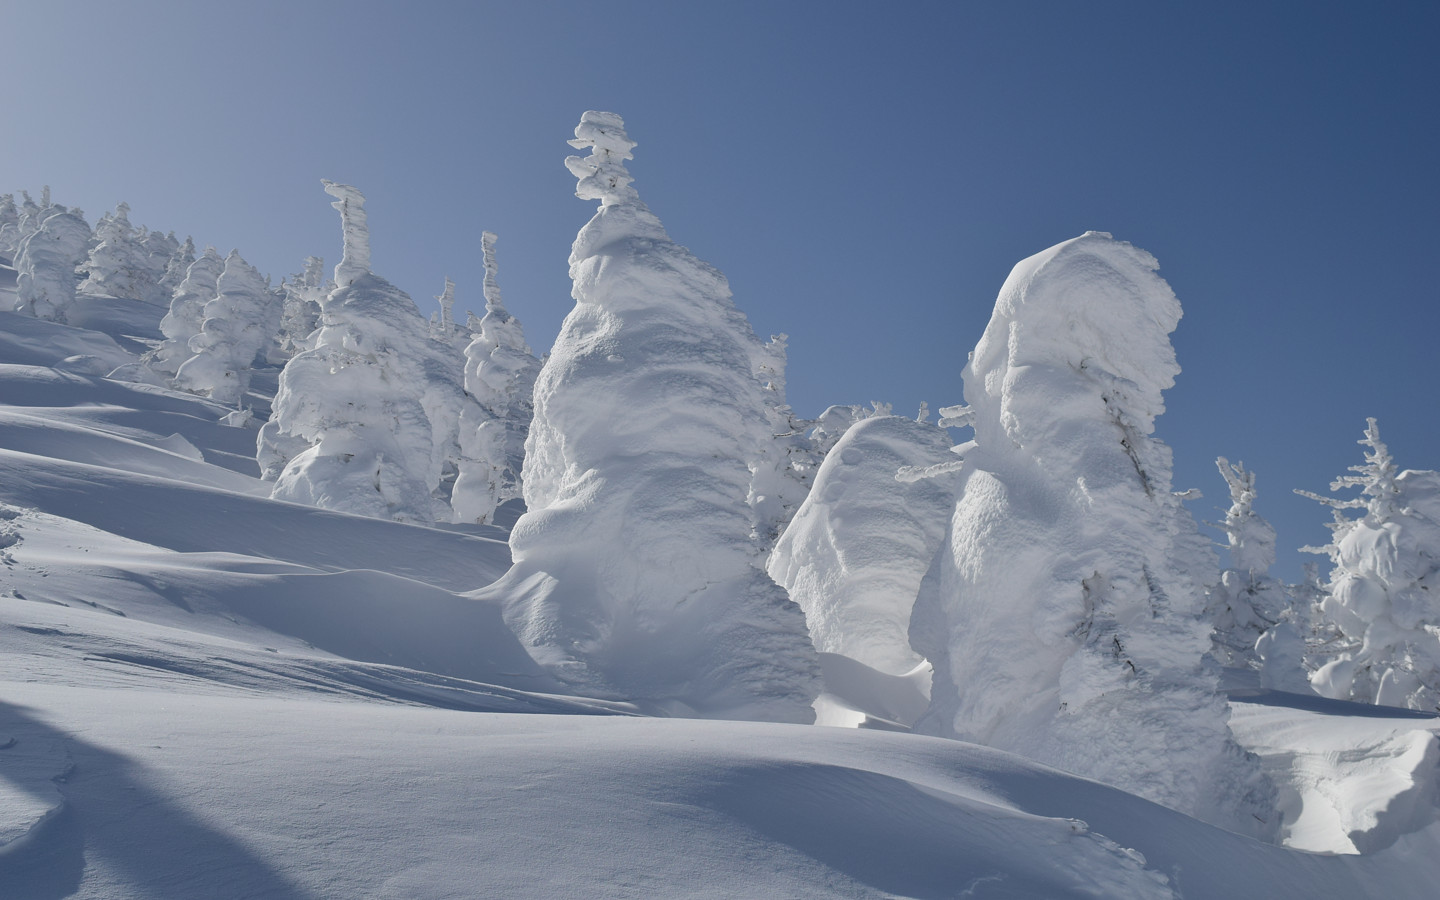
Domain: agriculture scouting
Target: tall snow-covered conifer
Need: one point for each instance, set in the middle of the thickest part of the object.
(1246, 602)
(500, 372)
(187, 312)
(364, 421)
(636, 574)
(1064, 615)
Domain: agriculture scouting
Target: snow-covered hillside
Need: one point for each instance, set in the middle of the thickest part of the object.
(206, 691)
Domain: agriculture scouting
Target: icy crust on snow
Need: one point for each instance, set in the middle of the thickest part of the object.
(855, 552)
(1064, 615)
(636, 575)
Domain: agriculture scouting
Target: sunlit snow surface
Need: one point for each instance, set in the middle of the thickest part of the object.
(208, 693)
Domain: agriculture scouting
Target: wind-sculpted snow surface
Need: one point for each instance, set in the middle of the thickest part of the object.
(855, 553)
(1064, 616)
(636, 575)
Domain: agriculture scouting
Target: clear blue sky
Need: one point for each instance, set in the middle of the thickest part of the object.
(866, 174)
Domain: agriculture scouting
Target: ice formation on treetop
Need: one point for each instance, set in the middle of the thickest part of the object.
(602, 174)
(1064, 615)
(355, 258)
(635, 572)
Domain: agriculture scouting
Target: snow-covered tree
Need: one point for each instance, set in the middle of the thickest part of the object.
(500, 372)
(364, 420)
(9, 227)
(855, 553)
(635, 572)
(240, 324)
(1246, 602)
(120, 264)
(305, 293)
(1064, 615)
(187, 312)
(176, 268)
(1380, 611)
(45, 263)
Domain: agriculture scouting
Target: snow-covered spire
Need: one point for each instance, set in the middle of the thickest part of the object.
(446, 299)
(492, 286)
(602, 174)
(45, 197)
(355, 260)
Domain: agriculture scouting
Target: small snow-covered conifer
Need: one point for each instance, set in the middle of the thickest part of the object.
(45, 263)
(635, 573)
(187, 312)
(1379, 623)
(1065, 614)
(240, 324)
(1246, 602)
(305, 293)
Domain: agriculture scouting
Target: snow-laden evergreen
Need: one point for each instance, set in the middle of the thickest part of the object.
(240, 324)
(55, 243)
(123, 262)
(500, 371)
(366, 420)
(1247, 601)
(187, 312)
(635, 572)
(305, 292)
(854, 554)
(1064, 614)
(1380, 619)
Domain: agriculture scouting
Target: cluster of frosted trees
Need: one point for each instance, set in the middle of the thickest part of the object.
(691, 546)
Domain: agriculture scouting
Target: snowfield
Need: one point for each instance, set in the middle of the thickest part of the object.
(207, 692)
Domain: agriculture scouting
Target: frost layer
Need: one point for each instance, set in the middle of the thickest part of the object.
(1064, 616)
(855, 553)
(636, 575)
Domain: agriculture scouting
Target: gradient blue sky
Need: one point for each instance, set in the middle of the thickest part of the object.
(866, 174)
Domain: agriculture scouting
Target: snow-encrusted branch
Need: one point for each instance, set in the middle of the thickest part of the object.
(912, 474)
(956, 416)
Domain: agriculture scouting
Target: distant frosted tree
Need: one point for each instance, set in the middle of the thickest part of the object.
(1064, 616)
(305, 293)
(500, 372)
(187, 312)
(45, 263)
(636, 574)
(9, 227)
(364, 420)
(120, 264)
(176, 267)
(240, 324)
(1246, 602)
(1379, 616)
